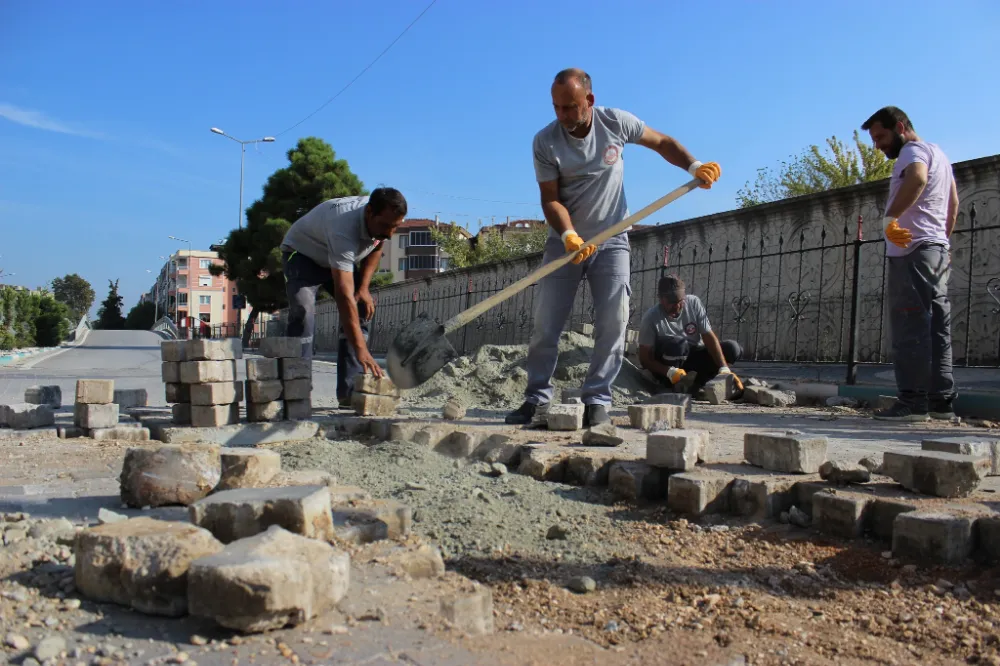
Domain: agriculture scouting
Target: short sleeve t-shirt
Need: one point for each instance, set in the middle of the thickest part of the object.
(589, 170)
(333, 234)
(691, 324)
(927, 219)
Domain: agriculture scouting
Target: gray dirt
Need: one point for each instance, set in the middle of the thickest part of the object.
(464, 508)
(494, 377)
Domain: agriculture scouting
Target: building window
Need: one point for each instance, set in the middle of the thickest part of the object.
(204, 280)
(204, 300)
(422, 238)
(182, 264)
(182, 281)
(404, 240)
(402, 264)
(445, 263)
(422, 263)
(204, 264)
(182, 298)
(206, 317)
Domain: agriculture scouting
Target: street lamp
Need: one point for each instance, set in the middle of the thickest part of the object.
(177, 293)
(243, 152)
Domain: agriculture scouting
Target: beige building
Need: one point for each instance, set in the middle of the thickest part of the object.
(188, 293)
(412, 251)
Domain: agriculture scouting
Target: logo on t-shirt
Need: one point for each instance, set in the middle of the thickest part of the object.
(611, 154)
(690, 328)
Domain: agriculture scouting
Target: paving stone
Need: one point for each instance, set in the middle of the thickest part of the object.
(170, 372)
(783, 452)
(775, 398)
(698, 493)
(424, 561)
(50, 395)
(682, 400)
(24, 416)
(180, 414)
(366, 404)
(346, 426)
(676, 449)
(346, 494)
(71, 432)
(91, 416)
(806, 490)
(979, 447)
(460, 443)
(263, 412)
(761, 497)
(242, 434)
(268, 581)
(141, 563)
(843, 515)
(175, 392)
(173, 351)
(121, 433)
(588, 468)
(247, 467)
(245, 512)
(365, 521)
(720, 389)
(169, 474)
(987, 537)
(95, 391)
(926, 536)
(280, 348)
(432, 435)
(644, 417)
(228, 349)
(203, 372)
(366, 383)
(453, 410)
(302, 477)
(605, 434)
(216, 393)
(404, 431)
(211, 416)
(564, 417)
(569, 396)
(470, 612)
(635, 479)
(543, 463)
(935, 473)
(882, 514)
(263, 391)
(297, 389)
(843, 473)
(295, 368)
(501, 449)
(263, 369)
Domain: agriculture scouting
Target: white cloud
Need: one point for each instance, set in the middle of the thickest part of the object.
(39, 120)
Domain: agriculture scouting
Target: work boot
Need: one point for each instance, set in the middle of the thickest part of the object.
(522, 415)
(902, 413)
(594, 415)
(941, 410)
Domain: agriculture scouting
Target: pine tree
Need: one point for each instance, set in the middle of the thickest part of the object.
(110, 317)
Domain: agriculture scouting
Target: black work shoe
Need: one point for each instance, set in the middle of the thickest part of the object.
(522, 415)
(901, 413)
(595, 415)
(941, 410)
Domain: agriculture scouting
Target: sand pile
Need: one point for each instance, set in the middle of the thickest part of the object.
(494, 376)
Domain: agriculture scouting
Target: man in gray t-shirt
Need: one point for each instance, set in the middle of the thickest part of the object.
(579, 169)
(675, 338)
(337, 245)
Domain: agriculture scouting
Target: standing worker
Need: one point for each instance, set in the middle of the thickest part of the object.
(337, 245)
(919, 219)
(578, 165)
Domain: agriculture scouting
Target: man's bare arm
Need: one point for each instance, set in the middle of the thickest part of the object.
(667, 147)
(368, 267)
(648, 361)
(914, 181)
(952, 208)
(556, 213)
(343, 294)
(711, 341)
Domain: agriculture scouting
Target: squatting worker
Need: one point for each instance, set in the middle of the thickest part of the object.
(578, 165)
(675, 338)
(919, 219)
(337, 245)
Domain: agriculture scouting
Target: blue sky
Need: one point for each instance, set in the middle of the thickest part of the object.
(105, 107)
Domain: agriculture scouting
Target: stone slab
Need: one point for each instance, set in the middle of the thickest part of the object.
(564, 417)
(298, 410)
(297, 389)
(129, 398)
(346, 426)
(605, 434)
(269, 390)
(806, 490)
(180, 414)
(170, 372)
(202, 372)
(373, 385)
(936, 473)
(173, 351)
(460, 443)
(698, 493)
(543, 463)
(682, 400)
(759, 498)
(169, 474)
(121, 434)
(211, 416)
(364, 521)
(925, 536)
(91, 416)
(295, 368)
(247, 467)
(720, 389)
(237, 514)
(263, 369)
(501, 449)
(471, 612)
(840, 514)
(228, 349)
(280, 348)
(177, 392)
(646, 416)
(987, 537)
(676, 449)
(26, 416)
(50, 395)
(216, 393)
(979, 447)
(785, 452)
(367, 404)
(262, 412)
(882, 515)
(95, 391)
(244, 434)
(588, 468)
(635, 479)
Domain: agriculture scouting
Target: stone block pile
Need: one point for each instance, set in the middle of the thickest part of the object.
(279, 385)
(96, 414)
(37, 410)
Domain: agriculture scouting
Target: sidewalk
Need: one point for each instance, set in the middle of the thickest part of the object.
(969, 379)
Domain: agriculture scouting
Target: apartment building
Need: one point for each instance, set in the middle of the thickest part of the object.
(188, 293)
(413, 253)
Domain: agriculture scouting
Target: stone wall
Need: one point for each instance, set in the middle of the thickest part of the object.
(778, 278)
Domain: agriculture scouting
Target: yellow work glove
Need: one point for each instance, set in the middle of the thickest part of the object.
(708, 173)
(724, 370)
(573, 242)
(675, 375)
(896, 234)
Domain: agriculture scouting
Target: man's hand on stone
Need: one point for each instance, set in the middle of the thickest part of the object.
(367, 362)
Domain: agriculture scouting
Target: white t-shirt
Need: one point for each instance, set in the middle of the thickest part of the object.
(927, 219)
(333, 234)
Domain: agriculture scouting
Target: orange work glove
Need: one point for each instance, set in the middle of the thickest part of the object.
(708, 173)
(675, 375)
(724, 370)
(573, 242)
(896, 234)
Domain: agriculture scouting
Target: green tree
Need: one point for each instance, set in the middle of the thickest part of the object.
(381, 280)
(109, 317)
(251, 255)
(489, 245)
(141, 317)
(815, 170)
(53, 322)
(75, 292)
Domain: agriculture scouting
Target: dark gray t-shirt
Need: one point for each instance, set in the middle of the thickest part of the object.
(691, 324)
(333, 234)
(589, 170)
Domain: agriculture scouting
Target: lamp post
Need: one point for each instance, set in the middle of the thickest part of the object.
(177, 293)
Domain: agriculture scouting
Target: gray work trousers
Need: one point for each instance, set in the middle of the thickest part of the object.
(607, 273)
(920, 323)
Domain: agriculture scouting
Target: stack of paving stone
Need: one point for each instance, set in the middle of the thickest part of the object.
(200, 377)
(95, 407)
(279, 386)
(374, 396)
(37, 410)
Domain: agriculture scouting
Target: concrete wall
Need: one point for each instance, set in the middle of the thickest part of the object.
(777, 278)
